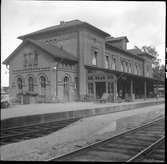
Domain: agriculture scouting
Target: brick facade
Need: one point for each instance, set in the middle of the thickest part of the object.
(65, 76)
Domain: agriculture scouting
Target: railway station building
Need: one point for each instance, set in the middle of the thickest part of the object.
(76, 61)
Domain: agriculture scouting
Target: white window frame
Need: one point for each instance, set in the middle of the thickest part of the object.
(94, 57)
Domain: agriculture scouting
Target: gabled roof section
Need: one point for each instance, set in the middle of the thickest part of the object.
(64, 25)
(113, 39)
(54, 51)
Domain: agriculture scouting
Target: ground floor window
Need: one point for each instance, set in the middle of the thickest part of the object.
(19, 83)
(76, 82)
(90, 88)
(110, 87)
(66, 88)
(30, 84)
(43, 82)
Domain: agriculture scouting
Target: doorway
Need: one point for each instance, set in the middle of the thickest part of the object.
(100, 89)
(66, 88)
(26, 99)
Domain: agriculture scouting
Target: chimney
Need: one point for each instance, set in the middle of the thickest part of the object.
(62, 22)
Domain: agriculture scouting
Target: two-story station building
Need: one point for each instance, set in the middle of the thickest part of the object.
(75, 59)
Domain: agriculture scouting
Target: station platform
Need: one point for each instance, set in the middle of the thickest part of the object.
(79, 134)
(22, 115)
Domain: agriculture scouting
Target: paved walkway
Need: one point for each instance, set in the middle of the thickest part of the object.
(33, 109)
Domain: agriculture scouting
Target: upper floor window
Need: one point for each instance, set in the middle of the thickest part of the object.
(43, 82)
(19, 83)
(121, 66)
(94, 58)
(25, 60)
(35, 58)
(106, 61)
(135, 69)
(127, 65)
(139, 68)
(147, 70)
(30, 59)
(130, 68)
(124, 67)
(113, 63)
(30, 84)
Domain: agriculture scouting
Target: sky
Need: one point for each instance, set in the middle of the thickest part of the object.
(142, 22)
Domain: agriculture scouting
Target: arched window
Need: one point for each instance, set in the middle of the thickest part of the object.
(66, 88)
(94, 58)
(30, 84)
(19, 83)
(121, 64)
(66, 80)
(114, 63)
(43, 82)
(107, 61)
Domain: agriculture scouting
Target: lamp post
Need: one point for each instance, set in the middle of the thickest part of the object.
(55, 69)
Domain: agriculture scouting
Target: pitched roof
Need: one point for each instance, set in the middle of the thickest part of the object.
(135, 51)
(64, 25)
(108, 45)
(140, 53)
(55, 51)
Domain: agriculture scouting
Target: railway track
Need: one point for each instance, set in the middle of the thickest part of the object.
(153, 153)
(16, 134)
(132, 145)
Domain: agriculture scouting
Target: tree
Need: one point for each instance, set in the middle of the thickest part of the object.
(158, 70)
(152, 51)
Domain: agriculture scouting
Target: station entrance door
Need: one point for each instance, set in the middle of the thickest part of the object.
(100, 89)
